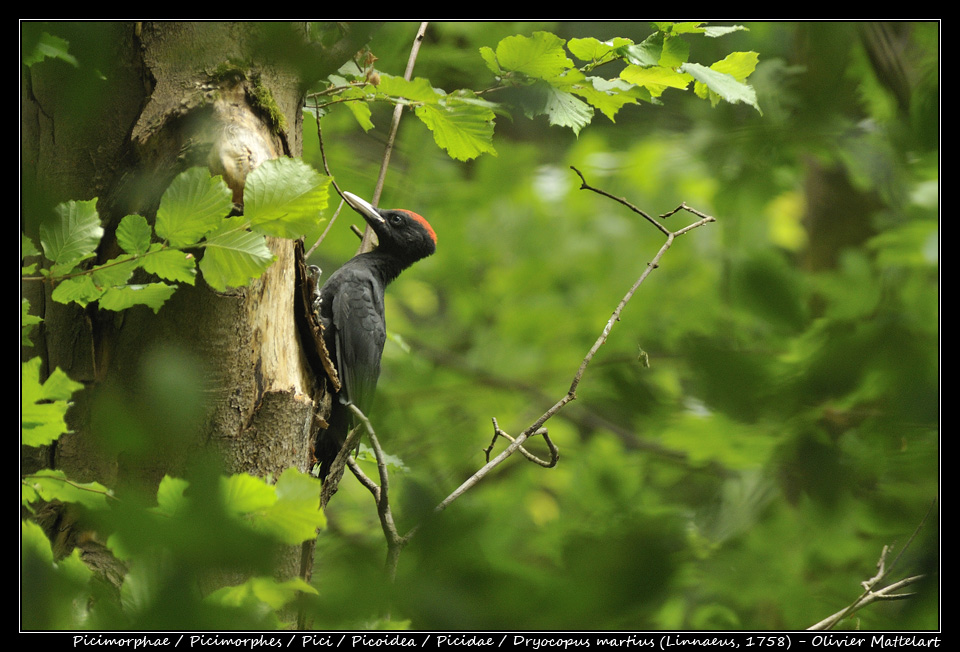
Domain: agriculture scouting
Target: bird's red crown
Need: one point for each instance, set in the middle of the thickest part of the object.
(424, 222)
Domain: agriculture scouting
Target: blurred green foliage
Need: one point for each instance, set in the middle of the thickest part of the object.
(785, 430)
(787, 427)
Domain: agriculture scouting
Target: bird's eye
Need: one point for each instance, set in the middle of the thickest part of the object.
(396, 220)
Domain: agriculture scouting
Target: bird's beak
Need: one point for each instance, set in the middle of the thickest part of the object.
(365, 208)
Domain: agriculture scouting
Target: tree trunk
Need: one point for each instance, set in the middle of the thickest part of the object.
(173, 96)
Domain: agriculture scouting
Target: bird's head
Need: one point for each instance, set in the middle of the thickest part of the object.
(401, 233)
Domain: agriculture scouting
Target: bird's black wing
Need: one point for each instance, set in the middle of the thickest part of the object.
(357, 316)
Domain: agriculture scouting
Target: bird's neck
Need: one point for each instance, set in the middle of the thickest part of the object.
(387, 267)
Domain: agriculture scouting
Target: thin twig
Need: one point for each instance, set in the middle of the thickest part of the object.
(866, 598)
(889, 592)
(395, 542)
(571, 394)
(581, 415)
(325, 231)
(367, 243)
(364, 479)
(103, 492)
(554, 451)
(326, 170)
(585, 186)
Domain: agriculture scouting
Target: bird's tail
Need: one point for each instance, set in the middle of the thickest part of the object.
(330, 441)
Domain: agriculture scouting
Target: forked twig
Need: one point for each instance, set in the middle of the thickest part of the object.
(554, 451)
(535, 427)
(395, 541)
(870, 593)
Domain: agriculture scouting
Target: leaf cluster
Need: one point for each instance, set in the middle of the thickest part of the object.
(159, 545)
(462, 122)
(282, 198)
(170, 546)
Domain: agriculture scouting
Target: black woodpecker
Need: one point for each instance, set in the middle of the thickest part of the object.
(352, 314)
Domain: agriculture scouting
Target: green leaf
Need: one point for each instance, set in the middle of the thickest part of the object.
(561, 106)
(74, 568)
(43, 407)
(133, 234)
(646, 53)
(591, 49)
(284, 197)
(143, 582)
(41, 423)
(289, 512)
(739, 65)
(170, 496)
(656, 79)
(33, 540)
(675, 52)
(347, 88)
(275, 593)
(566, 110)
(243, 494)
(171, 265)
(300, 488)
(540, 56)
(610, 96)
(490, 58)
(464, 130)
(80, 289)
(714, 32)
(361, 112)
(914, 244)
(689, 27)
(233, 256)
(152, 295)
(296, 515)
(27, 248)
(59, 387)
(720, 85)
(393, 462)
(52, 484)
(114, 272)
(27, 322)
(192, 206)
(50, 47)
(72, 233)
(416, 89)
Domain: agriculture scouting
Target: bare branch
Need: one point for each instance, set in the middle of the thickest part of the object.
(364, 479)
(554, 451)
(535, 427)
(395, 542)
(585, 186)
(870, 594)
(580, 414)
(868, 597)
(368, 235)
(325, 231)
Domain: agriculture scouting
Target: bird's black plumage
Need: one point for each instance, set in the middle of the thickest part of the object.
(352, 314)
